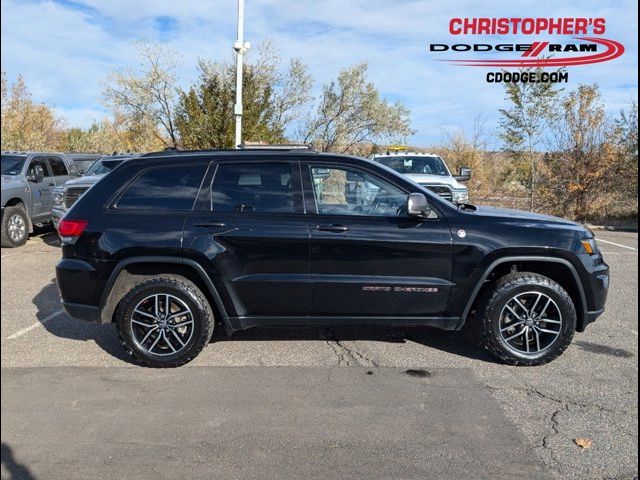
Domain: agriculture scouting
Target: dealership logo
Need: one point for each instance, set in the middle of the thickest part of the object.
(583, 48)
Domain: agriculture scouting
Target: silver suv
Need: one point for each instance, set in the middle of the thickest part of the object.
(28, 180)
(430, 171)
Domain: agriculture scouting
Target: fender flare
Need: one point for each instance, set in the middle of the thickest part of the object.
(499, 261)
(171, 260)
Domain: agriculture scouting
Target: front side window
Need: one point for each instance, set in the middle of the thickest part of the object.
(38, 161)
(342, 191)
(164, 188)
(253, 187)
(57, 166)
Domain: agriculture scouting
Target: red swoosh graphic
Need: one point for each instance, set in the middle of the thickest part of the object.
(613, 51)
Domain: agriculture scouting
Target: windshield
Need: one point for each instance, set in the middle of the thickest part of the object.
(416, 165)
(102, 167)
(12, 164)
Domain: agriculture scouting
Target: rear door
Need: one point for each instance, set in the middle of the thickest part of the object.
(59, 170)
(368, 258)
(251, 234)
(148, 216)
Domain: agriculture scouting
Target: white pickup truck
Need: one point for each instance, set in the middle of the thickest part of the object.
(430, 171)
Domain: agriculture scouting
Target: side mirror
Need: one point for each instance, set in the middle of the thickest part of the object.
(464, 175)
(37, 176)
(417, 205)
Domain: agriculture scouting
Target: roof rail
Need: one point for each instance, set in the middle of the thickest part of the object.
(275, 146)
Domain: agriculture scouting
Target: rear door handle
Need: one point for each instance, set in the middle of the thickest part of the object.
(210, 224)
(332, 228)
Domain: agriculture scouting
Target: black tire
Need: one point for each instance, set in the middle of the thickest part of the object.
(492, 305)
(182, 289)
(10, 213)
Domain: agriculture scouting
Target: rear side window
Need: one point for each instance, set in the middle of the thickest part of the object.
(258, 187)
(57, 166)
(164, 188)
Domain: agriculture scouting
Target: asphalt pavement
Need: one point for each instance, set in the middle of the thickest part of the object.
(312, 402)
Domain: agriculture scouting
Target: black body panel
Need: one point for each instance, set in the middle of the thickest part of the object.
(274, 260)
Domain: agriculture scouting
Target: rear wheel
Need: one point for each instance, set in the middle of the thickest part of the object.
(165, 321)
(528, 319)
(15, 226)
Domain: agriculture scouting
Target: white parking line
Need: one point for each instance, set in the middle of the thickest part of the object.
(51, 316)
(616, 244)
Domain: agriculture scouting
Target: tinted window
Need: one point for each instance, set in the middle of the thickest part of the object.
(339, 191)
(38, 161)
(262, 188)
(57, 166)
(164, 188)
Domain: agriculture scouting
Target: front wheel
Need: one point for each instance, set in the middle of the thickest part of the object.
(528, 319)
(15, 226)
(164, 321)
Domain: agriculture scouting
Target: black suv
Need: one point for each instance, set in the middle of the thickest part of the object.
(172, 243)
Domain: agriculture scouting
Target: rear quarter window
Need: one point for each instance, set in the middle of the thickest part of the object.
(164, 188)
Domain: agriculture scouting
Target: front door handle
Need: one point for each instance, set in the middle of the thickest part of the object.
(210, 224)
(332, 228)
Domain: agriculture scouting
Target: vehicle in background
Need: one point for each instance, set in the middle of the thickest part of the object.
(64, 196)
(83, 161)
(428, 170)
(28, 180)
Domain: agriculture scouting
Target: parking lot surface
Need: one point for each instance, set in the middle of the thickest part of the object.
(358, 402)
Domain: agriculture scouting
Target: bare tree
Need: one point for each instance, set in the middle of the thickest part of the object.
(150, 94)
(351, 111)
(291, 86)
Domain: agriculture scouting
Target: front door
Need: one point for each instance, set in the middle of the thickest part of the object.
(41, 192)
(368, 257)
(251, 234)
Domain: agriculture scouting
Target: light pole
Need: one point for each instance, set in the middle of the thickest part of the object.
(240, 46)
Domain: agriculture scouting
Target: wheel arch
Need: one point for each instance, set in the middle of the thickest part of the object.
(558, 269)
(128, 272)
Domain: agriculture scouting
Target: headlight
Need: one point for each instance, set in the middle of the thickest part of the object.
(590, 246)
(460, 196)
(58, 198)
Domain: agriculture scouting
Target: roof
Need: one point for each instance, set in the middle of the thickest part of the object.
(403, 154)
(24, 152)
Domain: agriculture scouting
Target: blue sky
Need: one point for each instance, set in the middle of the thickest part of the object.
(66, 48)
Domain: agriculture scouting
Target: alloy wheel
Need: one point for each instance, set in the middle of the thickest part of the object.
(17, 228)
(162, 324)
(530, 323)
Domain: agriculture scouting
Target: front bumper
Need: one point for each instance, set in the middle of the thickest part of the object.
(597, 291)
(56, 216)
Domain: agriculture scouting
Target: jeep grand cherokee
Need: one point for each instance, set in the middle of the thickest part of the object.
(173, 243)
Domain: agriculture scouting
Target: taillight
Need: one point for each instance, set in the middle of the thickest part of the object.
(71, 228)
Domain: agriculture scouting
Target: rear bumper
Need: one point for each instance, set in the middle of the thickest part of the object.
(81, 288)
(88, 313)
